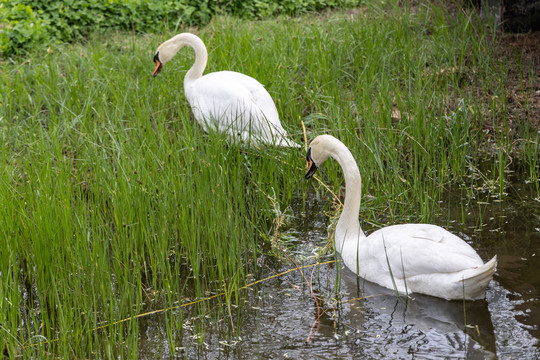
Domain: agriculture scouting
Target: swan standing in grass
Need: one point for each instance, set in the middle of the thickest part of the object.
(228, 101)
(411, 258)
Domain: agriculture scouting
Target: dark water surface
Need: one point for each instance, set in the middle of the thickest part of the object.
(364, 321)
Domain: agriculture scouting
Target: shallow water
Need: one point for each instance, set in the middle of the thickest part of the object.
(368, 321)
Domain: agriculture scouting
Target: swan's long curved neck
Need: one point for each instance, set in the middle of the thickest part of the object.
(348, 226)
(201, 54)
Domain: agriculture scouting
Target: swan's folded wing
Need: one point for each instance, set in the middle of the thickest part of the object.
(218, 94)
(416, 249)
(262, 108)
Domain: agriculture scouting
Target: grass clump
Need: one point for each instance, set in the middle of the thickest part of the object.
(115, 202)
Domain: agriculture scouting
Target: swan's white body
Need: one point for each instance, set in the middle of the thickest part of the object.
(227, 101)
(411, 258)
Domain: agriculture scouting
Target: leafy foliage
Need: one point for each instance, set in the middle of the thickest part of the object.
(20, 27)
(27, 23)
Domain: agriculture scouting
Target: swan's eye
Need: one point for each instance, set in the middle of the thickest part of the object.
(311, 166)
(156, 57)
(308, 156)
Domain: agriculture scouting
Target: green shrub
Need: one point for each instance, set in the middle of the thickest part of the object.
(69, 20)
(20, 28)
(28, 22)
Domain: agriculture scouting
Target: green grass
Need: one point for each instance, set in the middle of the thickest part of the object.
(115, 202)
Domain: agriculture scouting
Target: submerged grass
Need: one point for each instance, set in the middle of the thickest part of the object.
(115, 202)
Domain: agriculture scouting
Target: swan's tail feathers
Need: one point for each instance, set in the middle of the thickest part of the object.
(279, 137)
(289, 143)
(476, 282)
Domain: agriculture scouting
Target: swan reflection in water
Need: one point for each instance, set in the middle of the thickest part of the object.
(420, 325)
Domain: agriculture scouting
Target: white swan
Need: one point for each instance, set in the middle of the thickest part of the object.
(419, 258)
(227, 101)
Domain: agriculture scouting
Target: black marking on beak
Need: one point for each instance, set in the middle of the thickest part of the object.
(159, 65)
(312, 167)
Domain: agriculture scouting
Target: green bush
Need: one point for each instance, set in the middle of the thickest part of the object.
(29, 22)
(264, 8)
(20, 28)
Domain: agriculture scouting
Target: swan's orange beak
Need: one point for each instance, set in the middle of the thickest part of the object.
(311, 165)
(159, 65)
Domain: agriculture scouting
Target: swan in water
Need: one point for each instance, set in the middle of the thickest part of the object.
(411, 258)
(228, 101)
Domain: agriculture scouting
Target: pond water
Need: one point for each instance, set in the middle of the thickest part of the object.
(362, 320)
